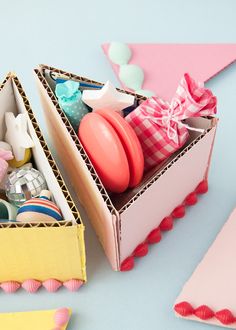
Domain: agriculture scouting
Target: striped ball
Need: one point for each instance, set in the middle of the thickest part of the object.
(39, 209)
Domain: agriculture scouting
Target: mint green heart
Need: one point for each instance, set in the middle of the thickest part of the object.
(132, 76)
(119, 53)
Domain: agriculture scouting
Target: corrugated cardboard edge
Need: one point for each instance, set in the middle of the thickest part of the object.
(102, 218)
(58, 176)
(70, 129)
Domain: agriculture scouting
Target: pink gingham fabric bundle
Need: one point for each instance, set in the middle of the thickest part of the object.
(158, 124)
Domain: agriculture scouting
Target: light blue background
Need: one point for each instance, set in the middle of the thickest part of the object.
(67, 35)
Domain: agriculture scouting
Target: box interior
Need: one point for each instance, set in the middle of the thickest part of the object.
(12, 100)
(124, 200)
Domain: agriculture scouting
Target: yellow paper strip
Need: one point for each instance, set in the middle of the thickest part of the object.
(35, 320)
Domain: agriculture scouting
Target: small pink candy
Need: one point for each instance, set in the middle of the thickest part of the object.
(73, 285)
(52, 285)
(10, 287)
(31, 285)
(6, 154)
(61, 316)
(3, 168)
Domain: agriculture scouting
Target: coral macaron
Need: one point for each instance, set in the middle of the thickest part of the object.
(105, 151)
(130, 144)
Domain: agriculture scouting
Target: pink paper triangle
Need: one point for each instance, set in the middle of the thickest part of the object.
(165, 64)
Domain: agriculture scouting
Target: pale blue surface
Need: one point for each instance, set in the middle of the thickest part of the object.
(68, 34)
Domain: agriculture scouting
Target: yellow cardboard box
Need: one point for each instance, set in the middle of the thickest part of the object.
(49, 254)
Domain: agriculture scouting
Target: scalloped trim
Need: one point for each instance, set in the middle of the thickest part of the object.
(204, 312)
(167, 224)
(32, 285)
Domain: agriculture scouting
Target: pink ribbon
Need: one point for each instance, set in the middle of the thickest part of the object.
(190, 100)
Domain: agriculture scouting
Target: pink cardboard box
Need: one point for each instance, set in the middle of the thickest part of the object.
(128, 223)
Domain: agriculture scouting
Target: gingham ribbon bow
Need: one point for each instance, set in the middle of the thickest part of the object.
(191, 100)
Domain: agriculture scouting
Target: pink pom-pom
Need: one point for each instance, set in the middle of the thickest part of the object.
(61, 316)
(202, 188)
(52, 285)
(10, 287)
(127, 264)
(225, 316)
(167, 223)
(31, 286)
(191, 199)
(204, 312)
(179, 212)
(184, 309)
(73, 285)
(154, 236)
(141, 250)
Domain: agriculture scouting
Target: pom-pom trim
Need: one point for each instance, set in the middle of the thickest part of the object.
(167, 224)
(204, 312)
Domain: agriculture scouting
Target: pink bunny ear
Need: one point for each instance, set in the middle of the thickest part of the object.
(9, 117)
(21, 122)
(6, 154)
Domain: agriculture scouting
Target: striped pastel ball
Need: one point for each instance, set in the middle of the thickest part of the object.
(39, 209)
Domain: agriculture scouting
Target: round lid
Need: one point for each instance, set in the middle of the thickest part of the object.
(130, 144)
